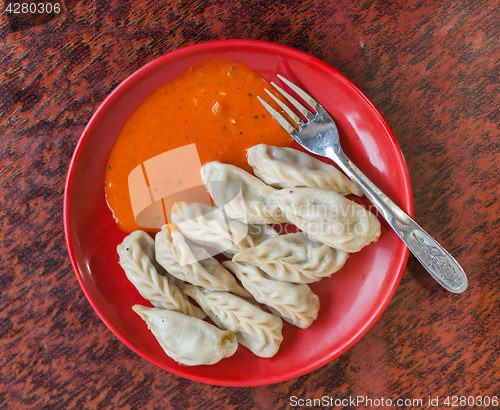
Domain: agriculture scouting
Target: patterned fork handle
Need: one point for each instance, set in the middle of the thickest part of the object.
(436, 260)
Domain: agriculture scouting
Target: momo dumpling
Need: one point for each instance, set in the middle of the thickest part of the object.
(257, 233)
(243, 196)
(136, 257)
(192, 264)
(294, 257)
(283, 167)
(259, 331)
(329, 217)
(188, 340)
(296, 303)
(209, 226)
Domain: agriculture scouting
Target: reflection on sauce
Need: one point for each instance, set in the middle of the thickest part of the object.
(213, 105)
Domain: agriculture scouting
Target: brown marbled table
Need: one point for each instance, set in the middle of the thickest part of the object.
(432, 70)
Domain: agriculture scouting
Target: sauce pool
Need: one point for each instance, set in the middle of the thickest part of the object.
(212, 105)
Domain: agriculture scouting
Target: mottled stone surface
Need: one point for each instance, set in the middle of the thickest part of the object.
(432, 70)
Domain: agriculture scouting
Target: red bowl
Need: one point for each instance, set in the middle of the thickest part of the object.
(351, 300)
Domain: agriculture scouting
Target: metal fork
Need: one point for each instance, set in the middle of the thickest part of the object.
(317, 133)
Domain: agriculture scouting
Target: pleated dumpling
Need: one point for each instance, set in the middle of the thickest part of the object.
(294, 257)
(137, 258)
(242, 195)
(209, 226)
(257, 233)
(259, 331)
(329, 217)
(188, 340)
(192, 264)
(296, 303)
(283, 167)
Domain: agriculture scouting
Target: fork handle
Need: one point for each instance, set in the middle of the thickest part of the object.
(435, 259)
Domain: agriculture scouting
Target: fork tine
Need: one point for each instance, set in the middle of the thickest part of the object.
(303, 110)
(277, 116)
(285, 108)
(300, 92)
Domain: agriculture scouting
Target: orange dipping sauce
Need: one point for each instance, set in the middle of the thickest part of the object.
(212, 105)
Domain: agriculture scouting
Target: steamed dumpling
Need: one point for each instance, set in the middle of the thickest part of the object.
(210, 227)
(296, 303)
(283, 167)
(188, 340)
(192, 264)
(257, 233)
(294, 257)
(329, 217)
(137, 258)
(207, 225)
(243, 196)
(259, 331)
